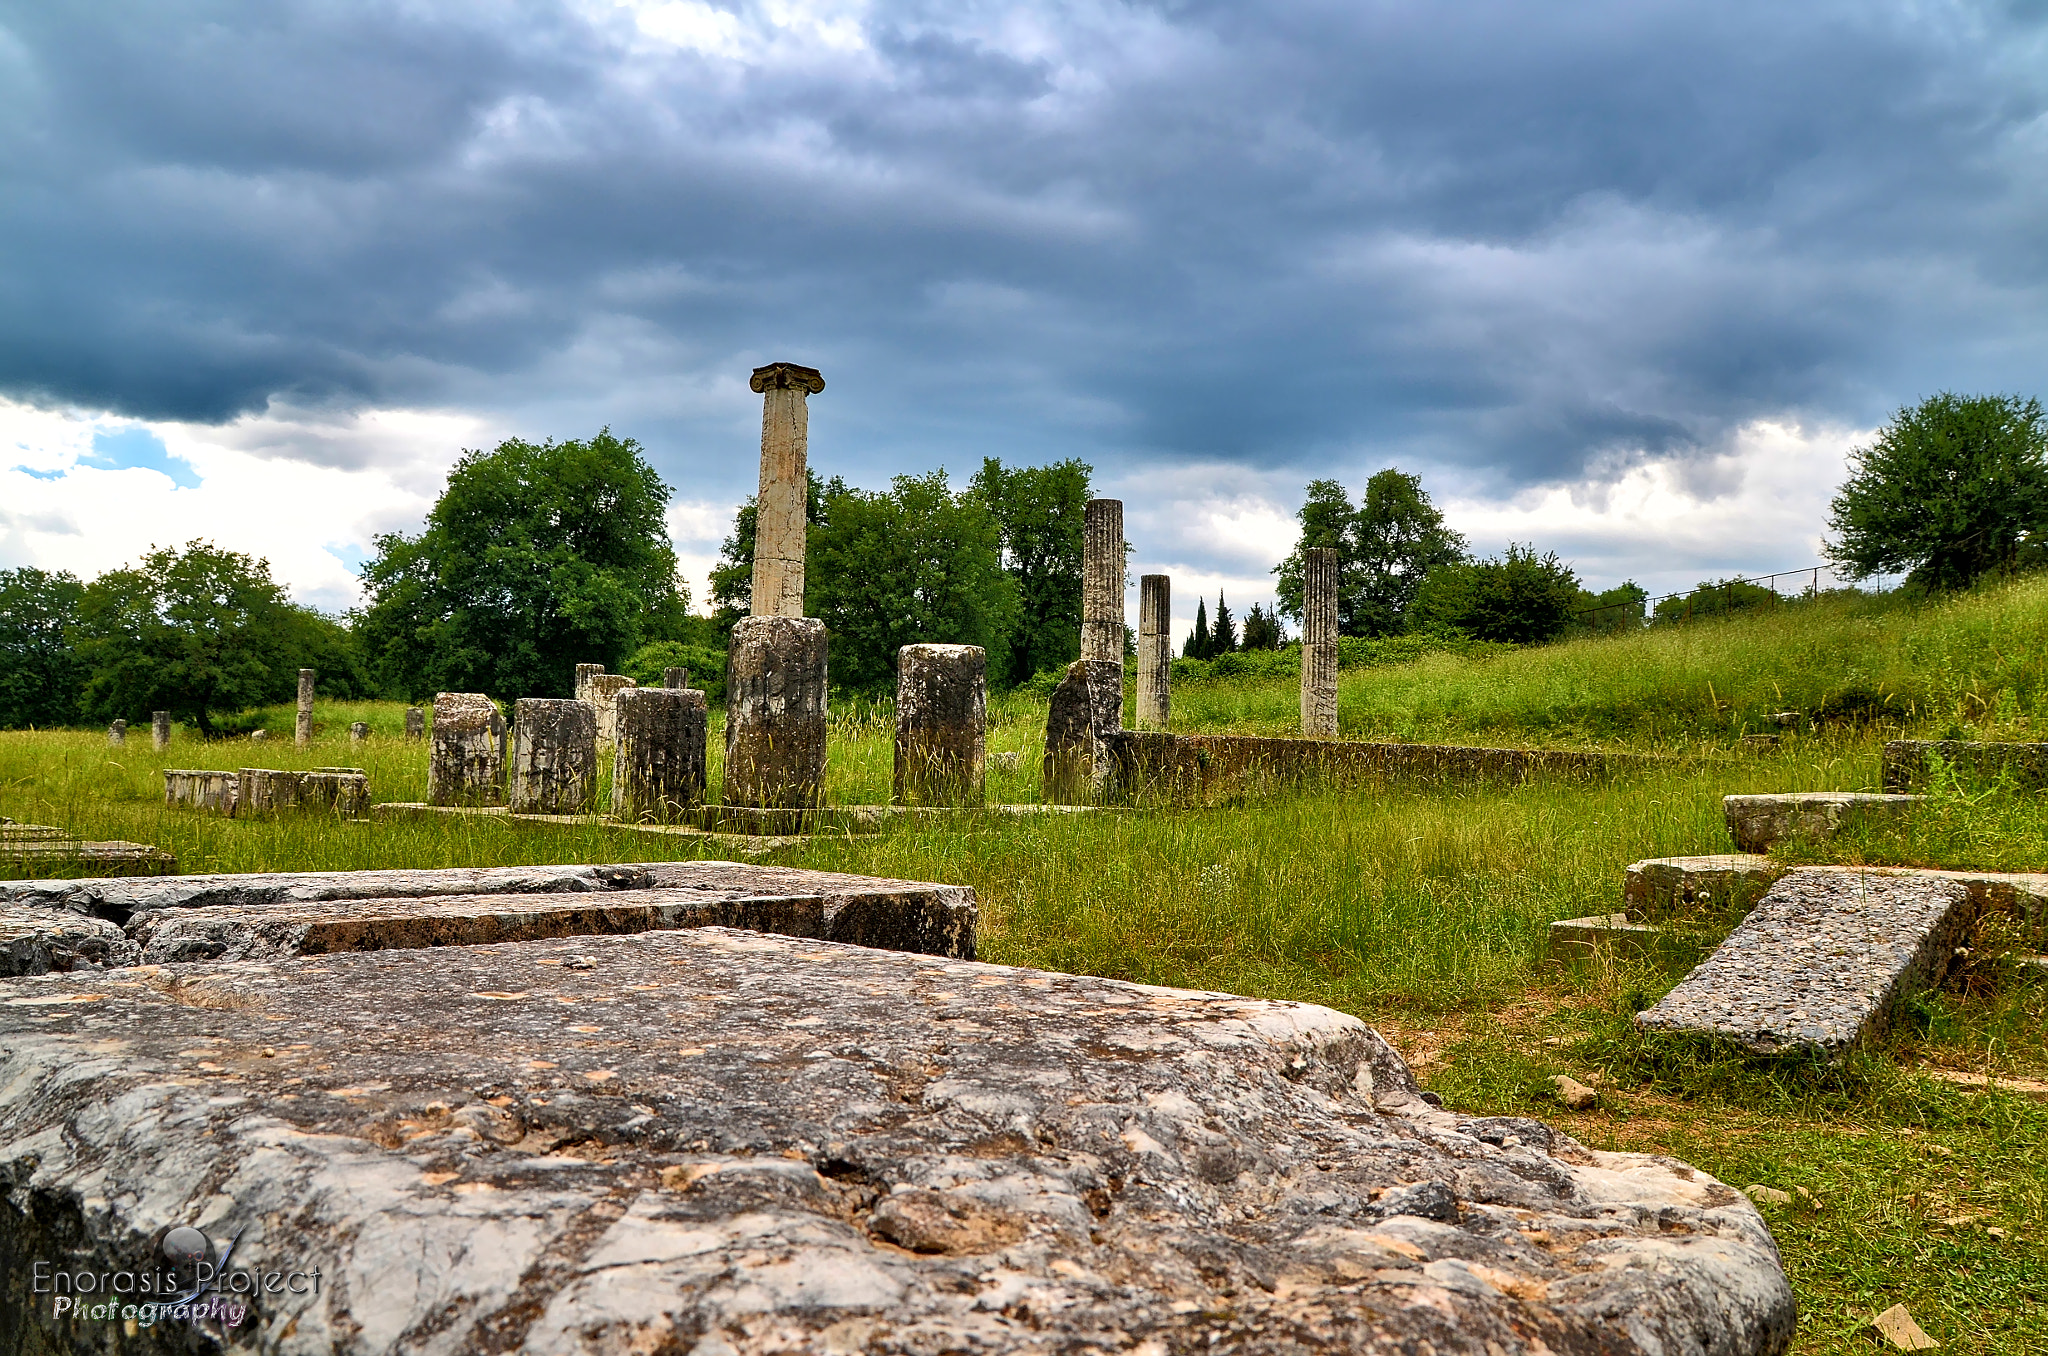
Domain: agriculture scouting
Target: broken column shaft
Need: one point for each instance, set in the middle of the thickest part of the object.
(781, 507)
(675, 678)
(658, 768)
(554, 757)
(775, 714)
(303, 735)
(160, 729)
(1319, 643)
(466, 760)
(941, 724)
(415, 723)
(1084, 708)
(1155, 651)
(1102, 582)
(117, 733)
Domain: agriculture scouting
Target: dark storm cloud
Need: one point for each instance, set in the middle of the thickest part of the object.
(1531, 241)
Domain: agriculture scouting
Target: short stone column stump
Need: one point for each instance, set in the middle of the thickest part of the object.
(941, 725)
(554, 757)
(775, 714)
(465, 764)
(658, 766)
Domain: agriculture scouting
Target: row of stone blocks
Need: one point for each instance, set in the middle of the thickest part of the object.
(343, 791)
(39, 849)
(721, 1140)
(657, 746)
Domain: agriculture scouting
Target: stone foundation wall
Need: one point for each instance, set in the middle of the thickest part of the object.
(1149, 767)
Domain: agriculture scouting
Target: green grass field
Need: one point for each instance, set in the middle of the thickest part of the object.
(1424, 911)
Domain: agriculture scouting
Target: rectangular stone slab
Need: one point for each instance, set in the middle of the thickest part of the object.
(1714, 888)
(720, 1141)
(1821, 962)
(908, 919)
(1757, 822)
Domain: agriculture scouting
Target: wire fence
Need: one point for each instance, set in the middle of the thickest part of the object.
(1719, 597)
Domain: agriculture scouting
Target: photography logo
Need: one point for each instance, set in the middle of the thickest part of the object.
(192, 1280)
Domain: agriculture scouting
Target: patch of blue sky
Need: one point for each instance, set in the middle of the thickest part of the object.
(138, 447)
(351, 554)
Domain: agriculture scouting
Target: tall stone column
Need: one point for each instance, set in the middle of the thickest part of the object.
(781, 508)
(160, 730)
(465, 763)
(1102, 582)
(554, 757)
(775, 713)
(658, 768)
(941, 725)
(1319, 643)
(1155, 651)
(304, 734)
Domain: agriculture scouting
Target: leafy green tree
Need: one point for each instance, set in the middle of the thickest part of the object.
(1261, 630)
(1715, 598)
(200, 633)
(915, 563)
(1222, 631)
(1039, 510)
(536, 557)
(41, 675)
(1610, 611)
(1520, 597)
(1385, 546)
(1198, 639)
(732, 578)
(1952, 489)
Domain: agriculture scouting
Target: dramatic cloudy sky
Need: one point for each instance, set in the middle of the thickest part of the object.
(1624, 279)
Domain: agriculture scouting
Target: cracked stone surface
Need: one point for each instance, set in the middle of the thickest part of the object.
(721, 1142)
(1821, 962)
(37, 941)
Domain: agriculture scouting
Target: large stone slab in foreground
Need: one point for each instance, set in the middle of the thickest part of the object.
(1822, 962)
(719, 1142)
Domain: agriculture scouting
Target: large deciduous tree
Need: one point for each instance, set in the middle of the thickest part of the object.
(536, 557)
(1952, 488)
(1385, 546)
(1038, 510)
(41, 674)
(200, 633)
(915, 563)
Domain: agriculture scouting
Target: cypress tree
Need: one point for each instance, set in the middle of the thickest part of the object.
(1198, 639)
(1222, 635)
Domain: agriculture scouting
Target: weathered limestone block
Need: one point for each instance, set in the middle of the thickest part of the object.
(1823, 961)
(1610, 933)
(1712, 889)
(160, 730)
(675, 678)
(604, 690)
(1085, 711)
(775, 713)
(358, 731)
(1102, 584)
(1319, 572)
(1907, 762)
(117, 733)
(415, 723)
(1756, 822)
(267, 791)
(258, 736)
(1155, 651)
(200, 789)
(704, 1139)
(584, 673)
(781, 507)
(659, 766)
(863, 910)
(37, 941)
(941, 724)
(465, 764)
(343, 791)
(302, 733)
(554, 757)
(1152, 766)
(895, 915)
